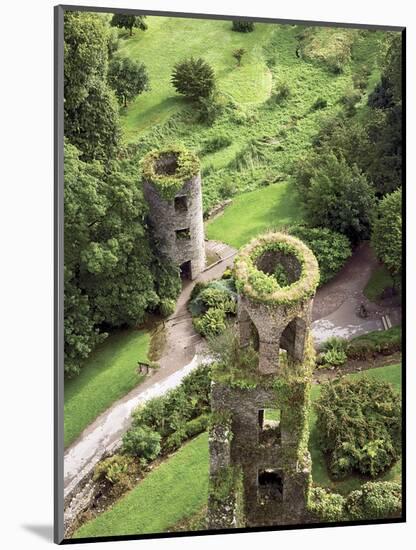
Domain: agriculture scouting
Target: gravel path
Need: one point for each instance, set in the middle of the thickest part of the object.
(334, 313)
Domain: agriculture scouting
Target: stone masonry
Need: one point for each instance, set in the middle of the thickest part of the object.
(271, 455)
(178, 225)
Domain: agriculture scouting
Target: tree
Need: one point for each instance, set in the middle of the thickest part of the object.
(387, 232)
(123, 21)
(85, 55)
(243, 26)
(238, 54)
(113, 276)
(94, 126)
(194, 78)
(128, 78)
(337, 196)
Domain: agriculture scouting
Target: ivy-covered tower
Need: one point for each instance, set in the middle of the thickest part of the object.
(172, 188)
(260, 466)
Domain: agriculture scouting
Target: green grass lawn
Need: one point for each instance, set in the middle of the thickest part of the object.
(107, 375)
(392, 374)
(169, 40)
(380, 279)
(176, 489)
(252, 213)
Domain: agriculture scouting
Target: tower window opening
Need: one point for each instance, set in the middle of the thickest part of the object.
(270, 485)
(183, 234)
(181, 204)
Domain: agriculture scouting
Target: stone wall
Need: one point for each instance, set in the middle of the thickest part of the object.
(166, 220)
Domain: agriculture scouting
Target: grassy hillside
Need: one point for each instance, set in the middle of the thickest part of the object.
(174, 490)
(169, 40)
(108, 374)
(178, 488)
(253, 213)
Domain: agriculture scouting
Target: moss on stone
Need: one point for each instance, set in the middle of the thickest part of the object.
(263, 287)
(168, 169)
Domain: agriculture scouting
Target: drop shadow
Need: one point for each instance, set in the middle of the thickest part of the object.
(44, 532)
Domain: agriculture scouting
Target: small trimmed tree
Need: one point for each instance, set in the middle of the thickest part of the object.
(129, 22)
(238, 55)
(387, 232)
(128, 78)
(243, 26)
(194, 78)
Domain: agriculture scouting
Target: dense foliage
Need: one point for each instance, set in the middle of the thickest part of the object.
(181, 413)
(369, 345)
(112, 276)
(336, 195)
(129, 22)
(90, 109)
(375, 500)
(211, 304)
(324, 504)
(142, 442)
(331, 249)
(194, 78)
(387, 232)
(128, 78)
(242, 26)
(359, 422)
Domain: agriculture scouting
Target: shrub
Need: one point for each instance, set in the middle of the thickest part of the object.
(382, 95)
(331, 249)
(142, 442)
(333, 358)
(280, 92)
(197, 425)
(193, 78)
(327, 506)
(375, 500)
(368, 346)
(209, 109)
(117, 470)
(243, 26)
(349, 100)
(320, 103)
(211, 323)
(360, 426)
(218, 298)
(216, 142)
(167, 307)
(387, 232)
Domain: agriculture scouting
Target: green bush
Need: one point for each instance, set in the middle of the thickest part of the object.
(320, 103)
(216, 142)
(167, 307)
(331, 249)
(116, 469)
(325, 505)
(349, 100)
(359, 422)
(193, 78)
(197, 425)
(375, 500)
(333, 358)
(216, 294)
(142, 442)
(209, 109)
(379, 342)
(211, 323)
(243, 26)
(280, 92)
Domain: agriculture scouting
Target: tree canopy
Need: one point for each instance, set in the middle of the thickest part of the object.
(127, 78)
(387, 232)
(194, 78)
(129, 22)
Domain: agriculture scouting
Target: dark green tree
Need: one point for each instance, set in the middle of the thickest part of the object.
(128, 78)
(238, 55)
(337, 196)
(242, 26)
(129, 22)
(110, 266)
(85, 55)
(387, 232)
(194, 78)
(94, 126)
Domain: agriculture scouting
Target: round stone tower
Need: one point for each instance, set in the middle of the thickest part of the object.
(172, 188)
(260, 467)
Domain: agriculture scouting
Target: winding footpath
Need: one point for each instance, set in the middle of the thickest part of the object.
(334, 314)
